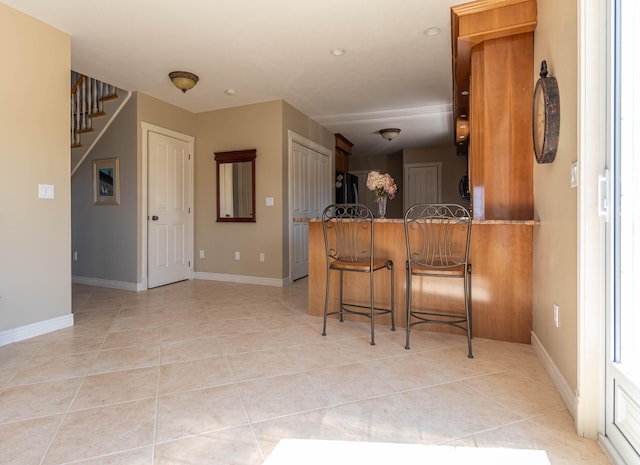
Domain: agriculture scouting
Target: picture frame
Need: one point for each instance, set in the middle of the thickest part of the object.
(106, 181)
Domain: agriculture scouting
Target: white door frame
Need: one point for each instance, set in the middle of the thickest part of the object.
(294, 137)
(144, 185)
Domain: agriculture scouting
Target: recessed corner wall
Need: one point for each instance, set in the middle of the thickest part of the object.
(555, 240)
(35, 245)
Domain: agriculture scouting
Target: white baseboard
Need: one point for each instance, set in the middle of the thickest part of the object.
(612, 453)
(568, 396)
(35, 329)
(233, 278)
(137, 287)
(97, 282)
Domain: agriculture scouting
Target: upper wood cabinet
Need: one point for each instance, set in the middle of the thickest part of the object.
(343, 151)
(492, 43)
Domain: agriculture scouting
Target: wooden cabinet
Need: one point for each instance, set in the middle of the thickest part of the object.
(343, 151)
(493, 85)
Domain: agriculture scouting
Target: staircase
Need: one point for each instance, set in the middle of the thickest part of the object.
(91, 114)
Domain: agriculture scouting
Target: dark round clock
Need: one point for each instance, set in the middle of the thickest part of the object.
(546, 116)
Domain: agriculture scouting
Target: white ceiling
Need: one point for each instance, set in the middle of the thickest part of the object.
(392, 75)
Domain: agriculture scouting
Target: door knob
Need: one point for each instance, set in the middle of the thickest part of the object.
(154, 218)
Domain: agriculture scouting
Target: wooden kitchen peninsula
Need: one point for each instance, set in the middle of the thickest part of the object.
(500, 257)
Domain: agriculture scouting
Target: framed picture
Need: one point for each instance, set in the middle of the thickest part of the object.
(106, 181)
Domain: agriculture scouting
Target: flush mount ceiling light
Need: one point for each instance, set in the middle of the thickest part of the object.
(338, 52)
(389, 133)
(183, 80)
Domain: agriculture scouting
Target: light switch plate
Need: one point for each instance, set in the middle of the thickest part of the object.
(574, 174)
(46, 191)
(269, 202)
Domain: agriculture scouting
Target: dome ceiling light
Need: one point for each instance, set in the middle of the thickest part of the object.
(389, 133)
(183, 80)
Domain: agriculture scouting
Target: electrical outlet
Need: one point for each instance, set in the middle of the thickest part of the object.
(261, 257)
(202, 254)
(556, 315)
(237, 255)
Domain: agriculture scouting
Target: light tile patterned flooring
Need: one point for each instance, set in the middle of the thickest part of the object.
(204, 372)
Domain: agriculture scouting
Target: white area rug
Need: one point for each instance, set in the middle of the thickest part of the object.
(319, 452)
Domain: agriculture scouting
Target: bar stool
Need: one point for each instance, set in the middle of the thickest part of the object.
(438, 237)
(348, 240)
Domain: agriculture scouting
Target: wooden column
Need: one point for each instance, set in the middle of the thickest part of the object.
(500, 144)
(492, 43)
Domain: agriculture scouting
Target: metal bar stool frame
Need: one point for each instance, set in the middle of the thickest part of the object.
(348, 231)
(437, 240)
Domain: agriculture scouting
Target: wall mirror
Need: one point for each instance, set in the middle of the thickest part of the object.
(236, 181)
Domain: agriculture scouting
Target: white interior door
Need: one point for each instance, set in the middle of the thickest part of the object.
(623, 235)
(310, 183)
(422, 183)
(169, 247)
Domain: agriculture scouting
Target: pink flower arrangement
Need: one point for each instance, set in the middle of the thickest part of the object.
(382, 184)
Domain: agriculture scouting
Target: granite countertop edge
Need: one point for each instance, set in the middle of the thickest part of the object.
(400, 221)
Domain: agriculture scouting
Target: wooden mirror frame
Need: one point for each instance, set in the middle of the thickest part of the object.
(238, 156)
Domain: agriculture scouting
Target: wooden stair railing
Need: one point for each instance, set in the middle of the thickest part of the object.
(87, 102)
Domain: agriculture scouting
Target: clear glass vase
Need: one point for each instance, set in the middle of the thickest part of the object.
(382, 206)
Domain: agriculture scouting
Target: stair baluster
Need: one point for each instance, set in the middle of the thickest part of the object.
(87, 101)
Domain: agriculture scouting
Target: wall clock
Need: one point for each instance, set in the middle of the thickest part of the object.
(546, 116)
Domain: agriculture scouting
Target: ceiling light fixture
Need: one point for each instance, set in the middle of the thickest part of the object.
(183, 80)
(338, 52)
(389, 133)
(230, 92)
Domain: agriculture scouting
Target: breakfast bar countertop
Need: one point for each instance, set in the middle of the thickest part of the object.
(500, 253)
(400, 220)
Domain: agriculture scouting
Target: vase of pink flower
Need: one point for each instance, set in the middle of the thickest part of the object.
(384, 187)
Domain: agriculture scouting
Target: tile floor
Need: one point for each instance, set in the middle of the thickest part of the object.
(202, 372)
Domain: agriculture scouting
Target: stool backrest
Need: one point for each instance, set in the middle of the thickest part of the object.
(437, 235)
(348, 232)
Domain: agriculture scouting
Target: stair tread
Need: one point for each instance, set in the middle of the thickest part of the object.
(96, 115)
(76, 146)
(84, 131)
(109, 97)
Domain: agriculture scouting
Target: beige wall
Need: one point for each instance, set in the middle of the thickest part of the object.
(262, 126)
(247, 127)
(555, 273)
(104, 236)
(35, 248)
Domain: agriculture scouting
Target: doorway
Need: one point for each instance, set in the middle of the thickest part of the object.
(423, 183)
(167, 206)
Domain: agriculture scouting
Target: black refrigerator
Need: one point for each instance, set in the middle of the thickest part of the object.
(346, 188)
